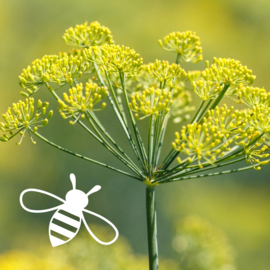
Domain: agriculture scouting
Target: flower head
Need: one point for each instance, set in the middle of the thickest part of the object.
(212, 138)
(206, 90)
(151, 102)
(24, 116)
(254, 96)
(114, 58)
(80, 101)
(68, 69)
(228, 72)
(259, 118)
(54, 69)
(33, 77)
(163, 71)
(186, 44)
(85, 35)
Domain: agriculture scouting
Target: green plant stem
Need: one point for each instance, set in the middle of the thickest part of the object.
(198, 113)
(123, 124)
(151, 144)
(81, 156)
(209, 174)
(108, 146)
(166, 177)
(99, 125)
(152, 227)
(136, 131)
(177, 58)
(221, 95)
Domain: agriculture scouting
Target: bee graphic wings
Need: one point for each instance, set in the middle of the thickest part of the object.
(42, 192)
(106, 220)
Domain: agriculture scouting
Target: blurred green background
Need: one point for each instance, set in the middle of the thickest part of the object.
(238, 204)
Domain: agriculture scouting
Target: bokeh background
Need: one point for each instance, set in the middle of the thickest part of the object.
(238, 204)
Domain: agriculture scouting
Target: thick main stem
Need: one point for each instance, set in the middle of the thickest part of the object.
(152, 227)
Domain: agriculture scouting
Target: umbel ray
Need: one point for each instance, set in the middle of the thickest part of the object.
(66, 221)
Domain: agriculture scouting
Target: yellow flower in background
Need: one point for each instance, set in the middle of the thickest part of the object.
(85, 35)
(185, 44)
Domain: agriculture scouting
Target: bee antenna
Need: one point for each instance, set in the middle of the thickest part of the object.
(94, 189)
(73, 180)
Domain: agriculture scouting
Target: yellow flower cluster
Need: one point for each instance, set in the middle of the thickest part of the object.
(211, 139)
(114, 58)
(68, 69)
(227, 120)
(23, 116)
(186, 44)
(52, 68)
(206, 90)
(79, 101)
(228, 72)
(151, 102)
(163, 71)
(85, 35)
(33, 77)
(254, 96)
(259, 118)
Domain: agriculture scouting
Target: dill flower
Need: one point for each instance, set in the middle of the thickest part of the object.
(79, 102)
(163, 71)
(212, 139)
(52, 68)
(228, 72)
(185, 44)
(85, 35)
(254, 96)
(34, 76)
(260, 118)
(227, 120)
(206, 90)
(114, 58)
(255, 154)
(23, 116)
(201, 142)
(68, 69)
(151, 102)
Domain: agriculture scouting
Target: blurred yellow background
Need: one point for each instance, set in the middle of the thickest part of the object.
(239, 204)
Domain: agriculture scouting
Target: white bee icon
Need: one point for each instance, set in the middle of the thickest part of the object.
(66, 221)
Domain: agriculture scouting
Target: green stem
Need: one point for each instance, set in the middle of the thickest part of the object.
(198, 113)
(152, 227)
(151, 144)
(99, 125)
(160, 139)
(177, 58)
(209, 174)
(136, 131)
(182, 173)
(82, 157)
(109, 147)
(221, 95)
(123, 124)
